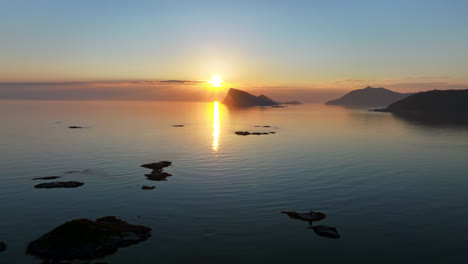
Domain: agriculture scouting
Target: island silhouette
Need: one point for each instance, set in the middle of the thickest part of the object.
(368, 97)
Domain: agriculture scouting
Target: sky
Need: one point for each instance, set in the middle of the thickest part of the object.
(124, 49)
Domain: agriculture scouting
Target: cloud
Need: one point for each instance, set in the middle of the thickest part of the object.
(181, 81)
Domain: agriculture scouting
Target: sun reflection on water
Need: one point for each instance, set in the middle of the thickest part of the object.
(215, 126)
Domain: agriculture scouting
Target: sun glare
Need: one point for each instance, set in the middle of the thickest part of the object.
(215, 126)
(216, 81)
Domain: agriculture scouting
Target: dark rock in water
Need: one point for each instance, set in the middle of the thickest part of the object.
(68, 184)
(3, 246)
(75, 127)
(272, 132)
(433, 107)
(368, 97)
(257, 126)
(265, 133)
(242, 133)
(308, 217)
(326, 231)
(158, 176)
(238, 98)
(157, 165)
(278, 106)
(47, 178)
(84, 239)
(256, 133)
(147, 187)
(266, 126)
(178, 125)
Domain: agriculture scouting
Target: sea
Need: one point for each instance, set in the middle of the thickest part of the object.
(395, 190)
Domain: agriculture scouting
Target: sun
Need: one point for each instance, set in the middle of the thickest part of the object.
(216, 81)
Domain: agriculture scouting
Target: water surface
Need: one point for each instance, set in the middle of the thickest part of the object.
(395, 190)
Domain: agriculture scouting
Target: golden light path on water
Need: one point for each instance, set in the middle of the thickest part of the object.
(215, 126)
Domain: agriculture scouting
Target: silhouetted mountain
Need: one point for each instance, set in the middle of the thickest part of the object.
(368, 96)
(239, 98)
(447, 106)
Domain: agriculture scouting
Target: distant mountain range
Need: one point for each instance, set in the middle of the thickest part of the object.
(368, 97)
(438, 106)
(239, 98)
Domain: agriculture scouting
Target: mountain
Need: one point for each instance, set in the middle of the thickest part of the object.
(447, 106)
(239, 98)
(368, 96)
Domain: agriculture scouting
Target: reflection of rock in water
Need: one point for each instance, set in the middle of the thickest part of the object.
(321, 230)
(308, 217)
(3, 246)
(84, 239)
(325, 231)
(157, 174)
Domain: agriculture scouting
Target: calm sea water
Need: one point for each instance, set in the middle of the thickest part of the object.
(396, 191)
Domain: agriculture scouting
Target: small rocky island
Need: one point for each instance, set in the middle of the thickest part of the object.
(237, 99)
(84, 239)
(437, 106)
(368, 97)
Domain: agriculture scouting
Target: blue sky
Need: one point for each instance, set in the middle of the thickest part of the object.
(288, 43)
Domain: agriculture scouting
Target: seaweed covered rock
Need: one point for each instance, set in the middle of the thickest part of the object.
(85, 239)
(242, 133)
(157, 165)
(157, 174)
(68, 184)
(46, 178)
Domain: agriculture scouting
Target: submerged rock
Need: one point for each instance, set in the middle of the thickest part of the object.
(47, 178)
(308, 217)
(157, 165)
(68, 184)
(75, 171)
(178, 125)
(3, 246)
(326, 231)
(148, 187)
(158, 176)
(84, 239)
(242, 133)
(75, 127)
